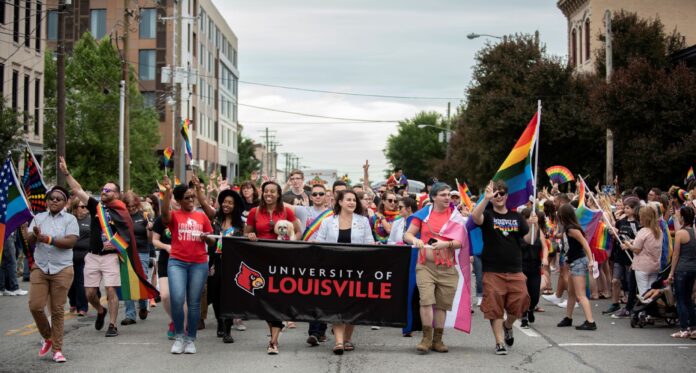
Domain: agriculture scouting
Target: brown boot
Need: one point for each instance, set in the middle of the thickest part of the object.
(438, 345)
(427, 342)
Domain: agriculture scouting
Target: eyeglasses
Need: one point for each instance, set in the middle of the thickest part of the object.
(82, 207)
(390, 200)
(500, 193)
(295, 178)
(56, 199)
(106, 190)
(318, 194)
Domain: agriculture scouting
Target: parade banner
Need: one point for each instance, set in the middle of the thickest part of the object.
(308, 281)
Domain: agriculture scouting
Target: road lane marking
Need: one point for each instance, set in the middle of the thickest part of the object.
(528, 332)
(626, 345)
(31, 328)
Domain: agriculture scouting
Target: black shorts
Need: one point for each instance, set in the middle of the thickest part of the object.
(162, 263)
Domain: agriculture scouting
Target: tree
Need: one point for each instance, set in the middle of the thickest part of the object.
(247, 159)
(508, 79)
(416, 149)
(10, 130)
(93, 73)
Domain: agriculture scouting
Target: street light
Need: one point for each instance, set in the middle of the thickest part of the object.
(474, 36)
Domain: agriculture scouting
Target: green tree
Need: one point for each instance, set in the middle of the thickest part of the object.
(247, 159)
(508, 79)
(415, 149)
(93, 73)
(10, 130)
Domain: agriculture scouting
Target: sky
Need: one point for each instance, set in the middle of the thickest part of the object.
(375, 47)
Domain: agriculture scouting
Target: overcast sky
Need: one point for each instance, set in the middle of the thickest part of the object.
(379, 47)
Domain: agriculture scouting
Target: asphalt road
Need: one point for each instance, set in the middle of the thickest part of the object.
(143, 347)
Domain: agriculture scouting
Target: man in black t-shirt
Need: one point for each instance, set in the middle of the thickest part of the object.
(296, 195)
(504, 284)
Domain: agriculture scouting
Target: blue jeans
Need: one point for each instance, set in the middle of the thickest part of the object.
(186, 281)
(142, 304)
(683, 285)
(8, 269)
(478, 272)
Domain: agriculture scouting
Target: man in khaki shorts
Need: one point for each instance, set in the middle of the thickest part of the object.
(504, 284)
(436, 276)
(101, 263)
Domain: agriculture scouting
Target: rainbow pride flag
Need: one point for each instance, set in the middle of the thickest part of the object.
(465, 195)
(690, 175)
(14, 208)
(667, 245)
(32, 181)
(168, 152)
(516, 171)
(559, 174)
(186, 134)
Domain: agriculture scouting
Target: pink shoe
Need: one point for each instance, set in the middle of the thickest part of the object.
(58, 357)
(45, 347)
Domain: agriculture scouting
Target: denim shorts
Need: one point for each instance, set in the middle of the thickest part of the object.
(579, 267)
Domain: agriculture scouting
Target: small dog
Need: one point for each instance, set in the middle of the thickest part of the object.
(285, 230)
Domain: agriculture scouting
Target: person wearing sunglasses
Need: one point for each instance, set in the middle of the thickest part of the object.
(188, 261)
(54, 232)
(407, 206)
(77, 295)
(504, 284)
(386, 214)
(102, 263)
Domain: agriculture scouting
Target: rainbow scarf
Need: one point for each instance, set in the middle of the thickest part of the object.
(381, 234)
(134, 284)
(314, 225)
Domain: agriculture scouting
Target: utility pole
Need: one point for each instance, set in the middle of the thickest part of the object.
(124, 100)
(448, 133)
(60, 82)
(266, 155)
(609, 177)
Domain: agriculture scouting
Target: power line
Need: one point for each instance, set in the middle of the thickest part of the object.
(318, 116)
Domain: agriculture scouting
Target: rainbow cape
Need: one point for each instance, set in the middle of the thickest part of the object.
(186, 134)
(313, 227)
(134, 284)
(559, 174)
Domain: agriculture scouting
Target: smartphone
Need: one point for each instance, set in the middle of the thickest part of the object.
(432, 241)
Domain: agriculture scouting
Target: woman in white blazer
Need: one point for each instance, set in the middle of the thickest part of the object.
(347, 225)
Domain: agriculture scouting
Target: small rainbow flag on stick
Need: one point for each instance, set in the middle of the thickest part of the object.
(186, 133)
(690, 175)
(559, 174)
(168, 152)
(465, 195)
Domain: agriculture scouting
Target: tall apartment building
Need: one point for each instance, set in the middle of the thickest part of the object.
(197, 40)
(586, 23)
(22, 33)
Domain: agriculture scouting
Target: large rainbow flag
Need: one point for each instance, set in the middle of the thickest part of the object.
(14, 208)
(186, 134)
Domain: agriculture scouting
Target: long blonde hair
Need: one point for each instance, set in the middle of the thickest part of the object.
(648, 219)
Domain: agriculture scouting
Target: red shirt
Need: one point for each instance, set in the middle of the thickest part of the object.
(186, 228)
(436, 221)
(262, 226)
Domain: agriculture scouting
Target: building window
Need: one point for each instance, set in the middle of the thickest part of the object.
(149, 99)
(148, 23)
(203, 22)
(52, 25)
(587, 39)
(2, 79)
(15, 22)
(37, 105)
(25, 107)
(39, 16)
(146, 64)
(188, 39)
(97, 23)
(15, 89)
(27, 23)
(2, 12)
(573, 48)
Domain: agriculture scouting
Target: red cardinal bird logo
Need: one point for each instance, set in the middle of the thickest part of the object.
(249, 279)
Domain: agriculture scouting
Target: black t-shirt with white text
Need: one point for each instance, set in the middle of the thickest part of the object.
(503, 235)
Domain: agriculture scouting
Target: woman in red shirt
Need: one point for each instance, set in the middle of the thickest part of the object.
(260, 222)
(188, 261)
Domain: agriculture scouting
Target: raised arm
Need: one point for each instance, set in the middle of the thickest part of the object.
(477, 214)
(202, 197)
(166, 203)
(366, 175)
(74, 185)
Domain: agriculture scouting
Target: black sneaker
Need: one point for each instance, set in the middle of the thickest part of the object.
(612, 308)
(587, 326)
(531, 317)
(524, 324)
(99, 324)
(142, 314)
(313, 340)
(500, 349)
(509, 338)
(127, 321)
(565, 322)
(112, 331)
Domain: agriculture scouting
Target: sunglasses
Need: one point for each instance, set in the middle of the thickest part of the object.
(390, 200)
(56, 199)
(82, 207)
(500, 193)
(318, 194)
(106, 190)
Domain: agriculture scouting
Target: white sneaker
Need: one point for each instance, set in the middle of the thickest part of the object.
(239, 325)
(375, 328)
(189, 347)
(553, 298)
(20, 292)
(7, 293)
(178, 346)
(478, 301)
(564, 304)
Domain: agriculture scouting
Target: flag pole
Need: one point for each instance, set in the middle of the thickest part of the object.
(536, 163)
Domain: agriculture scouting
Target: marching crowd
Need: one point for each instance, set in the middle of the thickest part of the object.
(76, 252)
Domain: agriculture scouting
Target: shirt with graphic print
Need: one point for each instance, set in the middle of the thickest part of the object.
(186, 228)
(503, 235)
